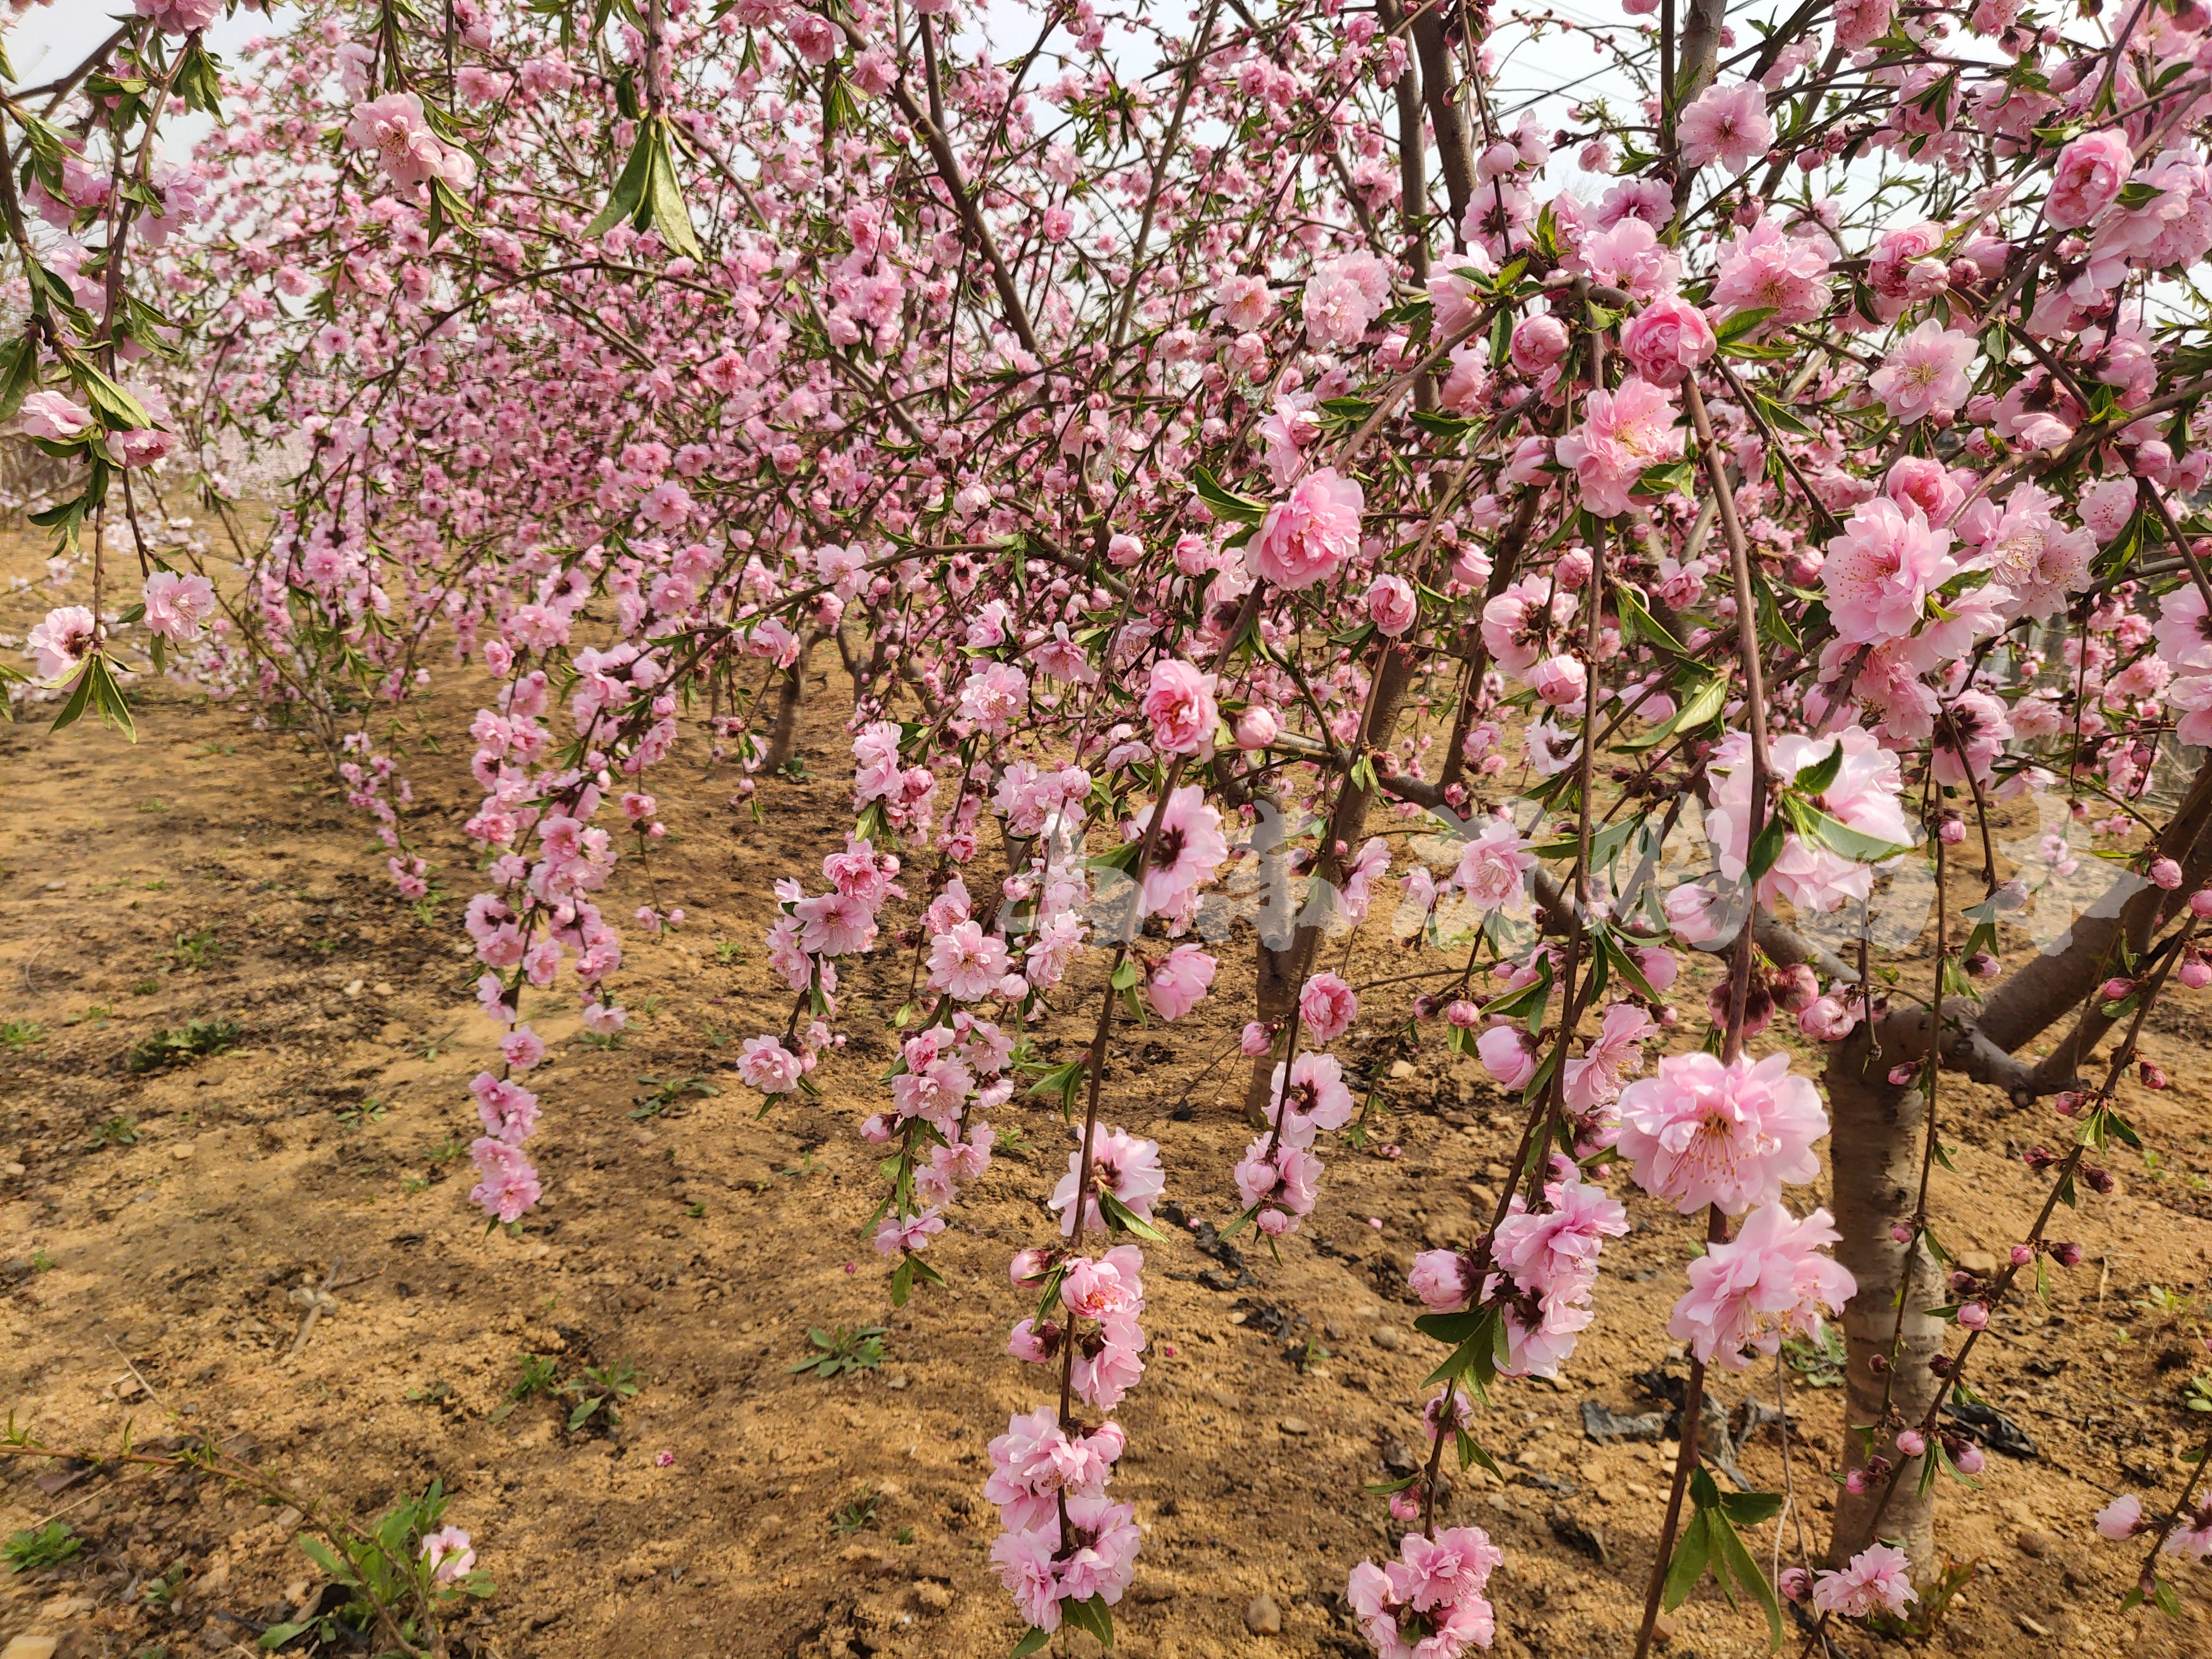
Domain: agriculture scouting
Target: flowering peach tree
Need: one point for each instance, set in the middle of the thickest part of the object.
(1262, 477)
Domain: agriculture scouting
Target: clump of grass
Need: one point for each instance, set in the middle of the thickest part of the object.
(195, 1040)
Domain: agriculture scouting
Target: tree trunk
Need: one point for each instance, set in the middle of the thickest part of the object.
(1875, 1151)
(1275, 921)
(783, 736)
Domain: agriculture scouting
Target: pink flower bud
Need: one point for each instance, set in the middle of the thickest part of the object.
(2151, 1077)
(1464, 1014)
(2195, 973)
(1974, 1316)
(1901, 1233)
(2200, 904)
(1901, 1075)
(2070, 1102)
(1796, 988)
(1559, 681)
(1257, 1039)
(1951, 831)
(2117, 989)
(1256, 727)
(1982, 965)
(1911, 1442)
(1966, 1457)
(2023, 1254)
(2165, 873)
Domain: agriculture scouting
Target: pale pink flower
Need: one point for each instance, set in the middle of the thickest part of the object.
(1538, 343)
(1392, 606)
(1179, 702)
(1879, 573)
(182, 17)
(2090, 174)
(1560, 681)
(1728, 125)
(1439, 1278)
(1188, 850)
(1615, 1055)
(1242, 303)
(769, 1066)
(1257, 728)
(52, 416)
(993, 697)
(1860, 23)
(1631, 257)
(1925, 373)
(1329, 1006)
(1771, 1278)
(1036, 1460)
(1308, 534)
(393, 126)
(965, 962)
(505, 1184)
(1766, 269)
(1342, 297)
(1121, 1164)
(898, 1233)
(1493, 867)
(522, 1048)
(2120, 1519)
(1509, 1055)
(61, 642)
(1178, 983)
(1623, 432)
(1970, 734)
(1666, 339)
(1866, 796)
(447, 1551)
(1878, 1579)
(1701, 1131)
(1317, 1097)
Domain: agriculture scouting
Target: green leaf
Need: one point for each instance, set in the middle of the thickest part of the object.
(73, 710)
(1837, 836)
(18, 374)
(1734, 328)
(1033, 1641)
(1384, 1488)
(1126, 1220)
(1820, 777)
(630, 189)
(1765, 847)
(1745, 1569)
(276, 1635)
(1092, 1615)
(1452, 1328)
(1777, 415)
(664, 198)
(1675, 477)
(1699, 708)
(1639, 623)
(1225, 504)
(2137, 195)
(119, 412)
(902, 1283)
(321, 1553)
(1692, 1551)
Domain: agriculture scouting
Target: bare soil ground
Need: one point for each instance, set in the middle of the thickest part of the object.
(156, 1227)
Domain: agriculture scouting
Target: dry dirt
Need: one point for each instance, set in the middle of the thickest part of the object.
(157, 1225)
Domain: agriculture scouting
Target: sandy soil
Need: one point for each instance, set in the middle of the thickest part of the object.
(155, 1227)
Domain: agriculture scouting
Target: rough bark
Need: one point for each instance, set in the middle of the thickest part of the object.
(1876, 1154)
(1447, 115)
(791, 696)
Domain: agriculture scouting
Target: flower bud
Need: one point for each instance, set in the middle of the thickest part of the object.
(1951, 831)
(1901, 1233)
(1256, 727)
(2070, 1102)
(2200, 904)
(2117, 989)
(1796, 988)
(2097, 1181)
(1940, 1363)
(2023, 1254)
(2165, 873)
(1911, 1442)
(1878, 1363)
(2066, 1254)
(1901, 1075)
(1974, 1316)
(1982, 965)
(1966, 1455)
(2151, 1077)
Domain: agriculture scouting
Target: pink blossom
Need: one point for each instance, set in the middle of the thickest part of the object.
(1439, 1278)
(1316, 1099)
(1509, 1055)
(1728, 125)
(1036, 1460)
(1188, 848)
(1310, 532)
(1559, 681)
(522, 1048)
(1342, 296)
(769, 1066)
(1970, 734)
(1179, 702)
(2121, 1519)
(1925, 373)
(1178, 983)
(1766, 269)
(896, 1234)
(1328, 1007)
(54, 416)
(1623, 432)
(182, 17)
(1768, 1280)
(1493, 867)
(1242, 303)
(1256, 727)
(1880, 572)
(1122, 1164)
(993, 695)
(1392, 606)
(2088, 178)
(1666, 339)
(65, 638)
(965, 962)
(505, 1184)
(447, 1550)
(1701, 1131)
(393, 126)
(1614, 1055)
(1538, 343)
(1878, 1579)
